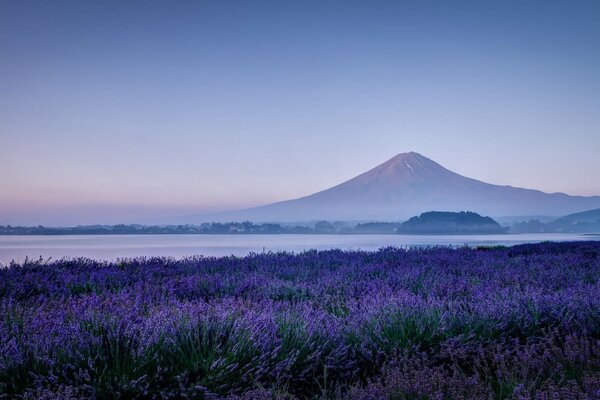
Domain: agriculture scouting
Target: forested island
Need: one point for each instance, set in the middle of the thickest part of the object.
(441, 223)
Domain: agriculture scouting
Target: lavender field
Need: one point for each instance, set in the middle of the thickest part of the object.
(519, 322)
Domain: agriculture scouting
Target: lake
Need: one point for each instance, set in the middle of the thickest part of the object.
(112, 247)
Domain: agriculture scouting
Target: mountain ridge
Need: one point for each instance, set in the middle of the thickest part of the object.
(409, 184)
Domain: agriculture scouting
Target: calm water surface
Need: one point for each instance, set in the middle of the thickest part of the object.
(112, 247)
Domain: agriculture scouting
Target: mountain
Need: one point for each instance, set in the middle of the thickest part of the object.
(409, 184)
(443, 223)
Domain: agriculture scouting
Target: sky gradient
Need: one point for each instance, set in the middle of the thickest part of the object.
(120, 111)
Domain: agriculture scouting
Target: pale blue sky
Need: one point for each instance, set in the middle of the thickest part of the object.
(117, 111)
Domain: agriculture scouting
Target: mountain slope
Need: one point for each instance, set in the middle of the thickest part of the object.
(410, 184)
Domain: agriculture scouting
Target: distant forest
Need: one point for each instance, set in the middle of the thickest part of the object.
(205, 228)
(320, 227)
(229, 228)
(433, 222)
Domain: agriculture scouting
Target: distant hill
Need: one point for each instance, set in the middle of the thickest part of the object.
(436, 222)
(408, 184)
(585, 217)
(581, 222)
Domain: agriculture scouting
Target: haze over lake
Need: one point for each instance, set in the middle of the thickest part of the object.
(112, 247)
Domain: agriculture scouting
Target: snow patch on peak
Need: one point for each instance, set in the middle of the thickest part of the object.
(409, 167)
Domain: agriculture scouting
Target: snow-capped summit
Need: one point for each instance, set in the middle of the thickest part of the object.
(409, 184)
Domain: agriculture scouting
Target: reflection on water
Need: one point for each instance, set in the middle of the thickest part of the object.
(110, 247)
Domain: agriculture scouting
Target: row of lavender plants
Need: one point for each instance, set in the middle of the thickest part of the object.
(438, 323)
